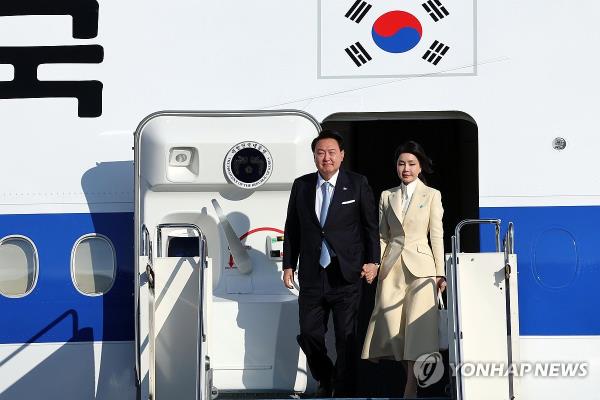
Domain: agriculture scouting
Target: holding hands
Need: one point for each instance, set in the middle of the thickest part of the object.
(369, 272)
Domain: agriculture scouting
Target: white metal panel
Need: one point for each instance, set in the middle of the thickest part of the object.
(482, 336)
(80, 370)
(514, 337)
(160, 57)
(212, 136)
(256, 348)
(577, 350)
(252, 318)
(176, 327)
(144, 327)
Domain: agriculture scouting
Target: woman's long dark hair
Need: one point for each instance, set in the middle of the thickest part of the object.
(417, 150)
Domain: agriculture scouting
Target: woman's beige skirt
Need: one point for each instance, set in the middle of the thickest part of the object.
(403, 325)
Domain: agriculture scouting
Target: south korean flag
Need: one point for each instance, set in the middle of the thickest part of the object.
(391, 38)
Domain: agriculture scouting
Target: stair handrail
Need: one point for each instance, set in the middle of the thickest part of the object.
(454, 279)
(200, 333)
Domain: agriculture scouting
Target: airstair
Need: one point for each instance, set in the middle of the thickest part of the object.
(212, 316)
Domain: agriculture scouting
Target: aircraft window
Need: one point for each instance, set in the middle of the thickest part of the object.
(93, 264)
(18, 266)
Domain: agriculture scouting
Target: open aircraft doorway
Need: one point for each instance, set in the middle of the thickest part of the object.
(212, 188)
(450, 139)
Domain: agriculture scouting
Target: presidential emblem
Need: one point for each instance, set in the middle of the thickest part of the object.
(248, 165)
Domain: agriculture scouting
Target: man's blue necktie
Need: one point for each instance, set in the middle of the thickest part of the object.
(325, 258)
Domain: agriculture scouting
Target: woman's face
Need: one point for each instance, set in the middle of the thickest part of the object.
(408, 167)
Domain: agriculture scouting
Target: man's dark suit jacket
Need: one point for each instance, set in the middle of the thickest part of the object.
(351, 227)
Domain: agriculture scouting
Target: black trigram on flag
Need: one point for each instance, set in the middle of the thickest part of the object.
(435, 9)
(435, 52)
(358, 11)
(358, 54)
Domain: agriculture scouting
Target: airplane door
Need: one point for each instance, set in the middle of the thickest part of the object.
(211, 198)
(483, 321)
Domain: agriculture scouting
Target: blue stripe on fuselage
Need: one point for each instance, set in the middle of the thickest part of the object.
(556, 248)
(558, 260)
(55, 311)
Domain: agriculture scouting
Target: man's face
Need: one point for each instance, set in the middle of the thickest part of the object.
(328, 157)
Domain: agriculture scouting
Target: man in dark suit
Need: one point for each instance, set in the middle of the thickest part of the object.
(332, 228)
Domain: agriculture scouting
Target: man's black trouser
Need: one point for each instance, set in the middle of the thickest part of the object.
(332, 294)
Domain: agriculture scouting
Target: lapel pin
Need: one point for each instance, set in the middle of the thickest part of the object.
(344, 188)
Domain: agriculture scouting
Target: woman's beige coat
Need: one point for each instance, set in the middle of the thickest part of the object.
(405, 239)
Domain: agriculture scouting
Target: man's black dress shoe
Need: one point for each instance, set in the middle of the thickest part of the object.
(324, 390)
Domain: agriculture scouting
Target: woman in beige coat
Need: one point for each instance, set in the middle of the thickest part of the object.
(403, 325)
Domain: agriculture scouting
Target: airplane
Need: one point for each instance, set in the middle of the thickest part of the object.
(148, 154)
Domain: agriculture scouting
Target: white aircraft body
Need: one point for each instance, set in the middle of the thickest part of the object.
(148, 153)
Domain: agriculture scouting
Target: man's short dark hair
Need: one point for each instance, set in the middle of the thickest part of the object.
(328, 134)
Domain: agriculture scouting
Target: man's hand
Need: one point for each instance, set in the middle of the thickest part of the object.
(288, 278)
(369, 272)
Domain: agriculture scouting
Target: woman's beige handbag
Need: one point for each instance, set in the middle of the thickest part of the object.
(442, 323)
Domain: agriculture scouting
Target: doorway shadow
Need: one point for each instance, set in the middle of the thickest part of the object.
(269, 322)
(109, 192)
(72, 362)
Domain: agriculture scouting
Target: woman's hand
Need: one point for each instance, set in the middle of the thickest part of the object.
(441, 283)
(369, 272)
